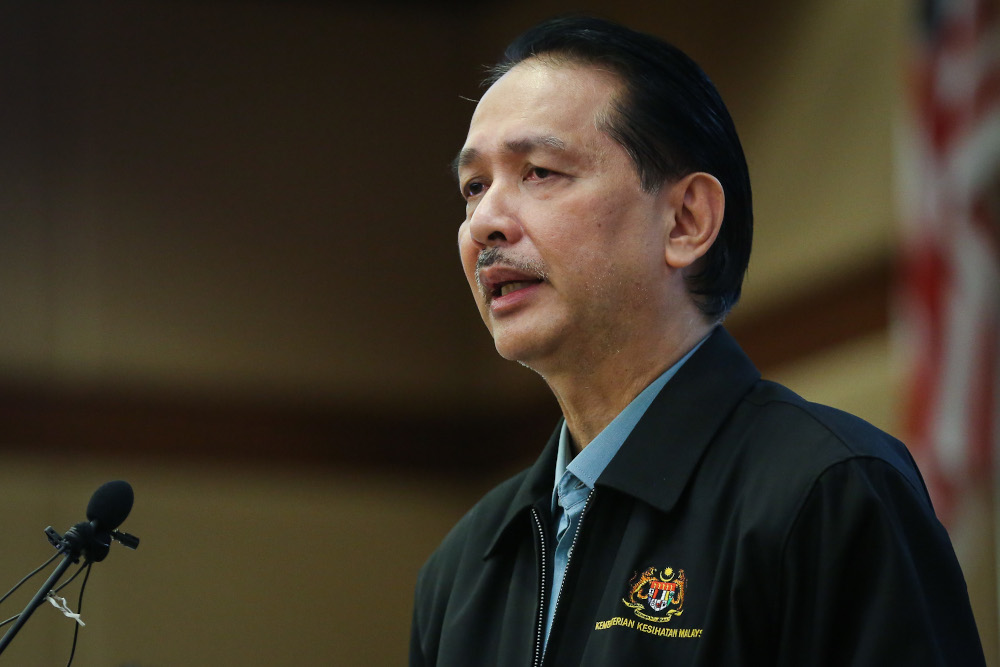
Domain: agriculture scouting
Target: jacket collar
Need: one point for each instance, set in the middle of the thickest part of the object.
(681, 422)
(677, 427)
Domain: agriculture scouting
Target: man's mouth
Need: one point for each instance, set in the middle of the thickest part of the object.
(499, 276)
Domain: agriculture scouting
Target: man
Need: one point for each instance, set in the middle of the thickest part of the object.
(684, 512)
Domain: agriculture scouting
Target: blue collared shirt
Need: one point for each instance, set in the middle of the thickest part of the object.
(575, 479)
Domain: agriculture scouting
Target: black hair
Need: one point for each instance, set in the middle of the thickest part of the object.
(671, 121)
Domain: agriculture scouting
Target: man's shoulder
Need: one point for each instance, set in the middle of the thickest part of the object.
(798, 436)
(776, 407)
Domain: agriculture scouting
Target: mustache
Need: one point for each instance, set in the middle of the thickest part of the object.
(495, 255)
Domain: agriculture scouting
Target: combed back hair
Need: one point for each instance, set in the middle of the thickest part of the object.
(670, 120)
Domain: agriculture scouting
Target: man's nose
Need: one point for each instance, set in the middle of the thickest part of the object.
(495, 220)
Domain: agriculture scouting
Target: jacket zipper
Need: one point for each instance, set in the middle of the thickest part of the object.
(541, 589)
(539, 652)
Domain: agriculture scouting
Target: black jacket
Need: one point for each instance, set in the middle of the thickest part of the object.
(738, 525)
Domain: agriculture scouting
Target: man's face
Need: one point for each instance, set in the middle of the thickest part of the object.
(560, 245)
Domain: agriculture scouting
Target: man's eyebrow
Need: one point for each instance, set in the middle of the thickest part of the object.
(469, 155)
(464, 157)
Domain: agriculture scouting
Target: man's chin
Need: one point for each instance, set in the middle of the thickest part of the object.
(526, 350)
(508, 351)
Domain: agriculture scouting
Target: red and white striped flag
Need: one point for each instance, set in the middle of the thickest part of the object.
(949, 291)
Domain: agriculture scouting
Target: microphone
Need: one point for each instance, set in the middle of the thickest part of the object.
(108, 508)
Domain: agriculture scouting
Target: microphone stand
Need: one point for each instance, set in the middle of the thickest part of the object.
(80, 539)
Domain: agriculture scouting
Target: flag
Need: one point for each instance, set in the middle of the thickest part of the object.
(949, 263)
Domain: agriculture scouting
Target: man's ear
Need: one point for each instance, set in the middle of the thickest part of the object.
(696, 206)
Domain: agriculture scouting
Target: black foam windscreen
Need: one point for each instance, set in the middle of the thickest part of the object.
(109, 506)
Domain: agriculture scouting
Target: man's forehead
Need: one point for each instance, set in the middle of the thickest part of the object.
(538, 105)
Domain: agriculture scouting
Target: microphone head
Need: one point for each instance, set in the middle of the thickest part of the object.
(109, 506)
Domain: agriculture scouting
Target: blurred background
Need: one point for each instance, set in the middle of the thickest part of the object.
(228, 275)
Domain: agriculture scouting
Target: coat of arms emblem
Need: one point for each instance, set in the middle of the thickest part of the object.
(658, 591)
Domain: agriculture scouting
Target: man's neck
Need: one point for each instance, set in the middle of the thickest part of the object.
(593, 393)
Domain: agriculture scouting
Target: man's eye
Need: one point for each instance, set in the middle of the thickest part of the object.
(474, 189)
(540, 172)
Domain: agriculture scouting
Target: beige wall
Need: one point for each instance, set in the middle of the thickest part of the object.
(255, 199)
(252, 200)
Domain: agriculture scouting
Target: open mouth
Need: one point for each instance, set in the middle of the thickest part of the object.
(503, 289)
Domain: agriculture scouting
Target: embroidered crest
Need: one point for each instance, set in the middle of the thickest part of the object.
(659, 592)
